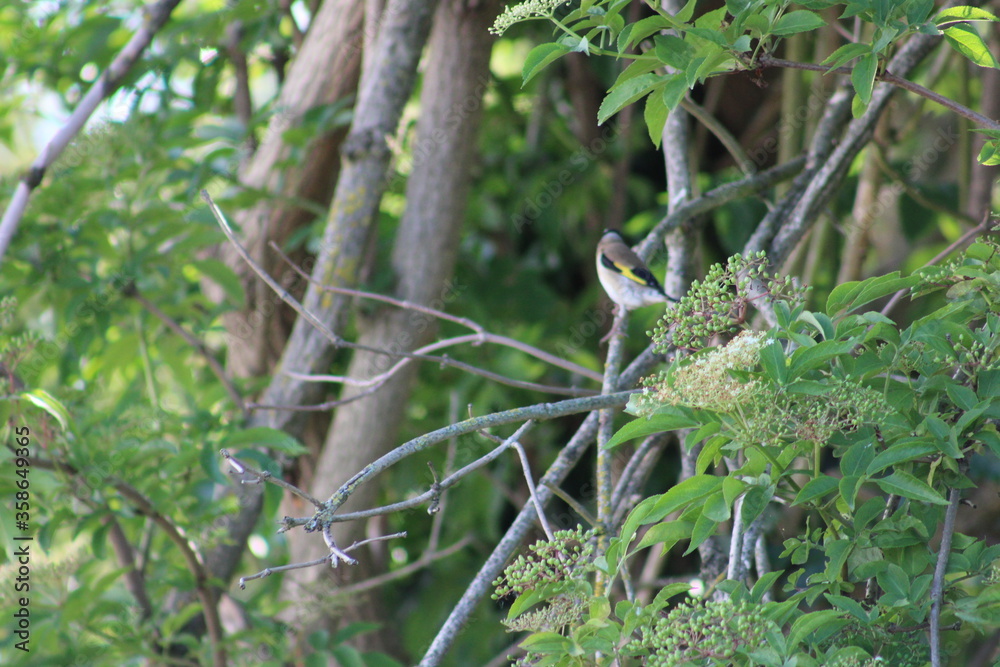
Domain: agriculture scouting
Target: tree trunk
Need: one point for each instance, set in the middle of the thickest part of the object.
(423, 258)
(325, 71)
(402, 36)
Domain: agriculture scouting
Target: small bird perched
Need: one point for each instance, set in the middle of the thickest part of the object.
(626, 279)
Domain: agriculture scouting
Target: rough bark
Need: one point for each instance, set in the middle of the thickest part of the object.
(365, 161)
(325, 71)
(423, 257)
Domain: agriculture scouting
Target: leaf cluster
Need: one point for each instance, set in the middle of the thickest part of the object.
(862, 424)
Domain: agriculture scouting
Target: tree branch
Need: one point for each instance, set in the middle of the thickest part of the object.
(107, 83)
(891, 79)
(940, 569)
(540, 411)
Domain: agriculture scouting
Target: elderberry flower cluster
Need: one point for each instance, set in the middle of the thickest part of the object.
(705, 381)
(719, 304)
(531, 9)
(569, 556)
(713, 632)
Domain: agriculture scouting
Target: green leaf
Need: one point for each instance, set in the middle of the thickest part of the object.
(623, 94)
(50, 404)
(655, 115)
(687, 11)
(668, 418)
(764, 584)
(643, 28)
(906, 485)
(962, 396)
(667, 533)
(852, 295)
(807, 624)
(772, 358)
(989, 155)
(673, 51)
(547, 642)
(816, 488)
(964, 39)
(684, 493)
(963, 13)
(755, 502)
(945, 436)
(716, 507)
(848, 488)
(539, 58)
(808, 358)
(800, 20)
(263, 436)
(900, 453)
(852, 607)
(704, 527)
(857, 458)
(863, 76)
(674, 91)
(667, 592)
(894, 580)
(529, 599)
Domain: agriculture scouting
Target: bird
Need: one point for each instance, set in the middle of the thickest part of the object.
(626, 278)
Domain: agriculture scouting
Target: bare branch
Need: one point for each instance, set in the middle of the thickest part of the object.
(264, 476)
(267, 572)
(539, 411)
(484, 336)
(940, 569)
(892, 79)
(512, 441)
(340, 342)
(986, 225)
(405, 571)
(714, 199)
(156, 17)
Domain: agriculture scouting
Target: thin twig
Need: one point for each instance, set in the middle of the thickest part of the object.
(268, 571)
(336, 340)
(892, 79)
(388, 577)
(263, 476)
(716, 198)
(484, 335)
(725, 137)
(513, 441)
(986, 225)
(189, 552)
(422, 354)
(574, 504)
(399, 303)
(195, 563)
(525, 520)
(605, 458)
(540, 411)
(940, 569)
(482, 582)
(155, 18)
(636, 471)
(198, 346)
(416, 501)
